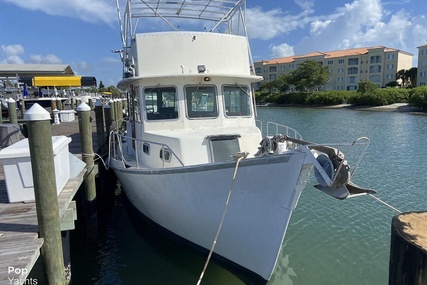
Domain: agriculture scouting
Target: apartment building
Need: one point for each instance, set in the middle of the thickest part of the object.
(422, 66)
(377, 64)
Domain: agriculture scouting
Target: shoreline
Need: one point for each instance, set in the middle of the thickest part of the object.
(396, 107)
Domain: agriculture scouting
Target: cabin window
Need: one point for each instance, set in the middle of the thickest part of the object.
(161, 103)
(201, 101)
(237, 101)
(223, 147)
(165, 154)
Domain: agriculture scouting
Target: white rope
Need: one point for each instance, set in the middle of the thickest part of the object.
(384, 203)
(239, 157)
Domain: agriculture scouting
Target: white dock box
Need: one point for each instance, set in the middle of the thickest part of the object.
(67, 115)
(17, 168)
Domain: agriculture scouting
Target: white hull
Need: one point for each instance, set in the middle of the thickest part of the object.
(190, 201)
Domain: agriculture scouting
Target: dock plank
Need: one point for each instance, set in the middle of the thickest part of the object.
(19, 240)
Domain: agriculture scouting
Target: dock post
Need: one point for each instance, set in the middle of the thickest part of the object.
(112, 104)
(408, 249)
(11, 105)
(99, 117)
(108, 120)
(120, 109)
(43, 168)
(85, 129)
(53, 103)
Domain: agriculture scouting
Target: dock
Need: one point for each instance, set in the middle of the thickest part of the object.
(19, 241)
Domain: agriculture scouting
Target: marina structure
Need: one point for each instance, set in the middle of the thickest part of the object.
(347, 68)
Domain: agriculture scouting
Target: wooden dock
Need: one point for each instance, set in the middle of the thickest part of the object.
(19, 241)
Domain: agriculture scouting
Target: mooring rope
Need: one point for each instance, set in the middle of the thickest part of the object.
(238, 157)
(384, 203)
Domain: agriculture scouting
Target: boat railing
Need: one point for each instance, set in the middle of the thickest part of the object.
(275, 128)
(138, 145)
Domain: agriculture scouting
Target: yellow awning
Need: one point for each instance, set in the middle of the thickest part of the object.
(63, 81)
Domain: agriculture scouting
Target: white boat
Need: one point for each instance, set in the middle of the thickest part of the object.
(192, 128)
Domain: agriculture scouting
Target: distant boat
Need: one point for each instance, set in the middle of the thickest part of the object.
(190, 156)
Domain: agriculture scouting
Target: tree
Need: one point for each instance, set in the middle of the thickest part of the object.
(366, 86)
(411, 74)
(310, 76)
(101, 85)
(401, 75)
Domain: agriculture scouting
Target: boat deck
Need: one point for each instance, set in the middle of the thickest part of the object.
(19, 241)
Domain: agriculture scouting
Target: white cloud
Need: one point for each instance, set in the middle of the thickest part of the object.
(266, 25)
(92, 11)
(281, 50)
(364, 23)
(49, 59)
(10, 50)
(12, 54)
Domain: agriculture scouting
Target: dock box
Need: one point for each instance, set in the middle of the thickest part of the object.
(67, 115)
(18, 173)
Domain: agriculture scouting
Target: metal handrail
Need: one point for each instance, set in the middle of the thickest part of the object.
(277, 130)
(139, 142)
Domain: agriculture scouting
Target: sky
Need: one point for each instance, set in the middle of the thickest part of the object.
(83, 33)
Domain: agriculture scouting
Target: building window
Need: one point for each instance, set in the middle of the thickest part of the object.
(422, 74)
(351, 87)
(353, 61)
(272, 77)
(374, 78)
(340, 61)
(390, 66)
(291, 66)
(340, 70)
(351, 79)
(375, 59)
(352, 70)
(390, 56)
(330, 62)
(258, 70)
(390, 76)
(340, 79)
(375, 69)
(272, 69)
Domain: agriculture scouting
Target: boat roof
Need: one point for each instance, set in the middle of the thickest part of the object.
(211, 10)
(225, 16)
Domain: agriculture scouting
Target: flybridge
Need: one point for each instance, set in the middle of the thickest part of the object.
(205, 16)
(219, 12)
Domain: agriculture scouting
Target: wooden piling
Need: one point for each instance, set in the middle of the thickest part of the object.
(85, 129)
(108, 120)
(43, 168)
(53, 104)
(11, 105)
(99, 117)
(112, 104)
(408, 249)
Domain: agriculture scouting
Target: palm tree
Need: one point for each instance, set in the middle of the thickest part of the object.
(401, 74)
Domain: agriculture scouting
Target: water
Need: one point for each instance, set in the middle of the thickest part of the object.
(328, 241)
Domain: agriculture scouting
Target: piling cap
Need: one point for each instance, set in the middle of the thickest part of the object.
(37, 113)
(106, 106)
(98, 103)
(11, 100)
(83, 107)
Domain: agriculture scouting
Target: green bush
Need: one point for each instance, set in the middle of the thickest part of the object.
(418, 97)
(379, 97)
(328, 97)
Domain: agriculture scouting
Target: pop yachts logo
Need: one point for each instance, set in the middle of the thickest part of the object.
(17, 281)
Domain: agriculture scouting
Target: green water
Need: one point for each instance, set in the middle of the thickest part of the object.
(328, 241)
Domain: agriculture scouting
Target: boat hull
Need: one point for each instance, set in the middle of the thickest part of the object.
(190, 201)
